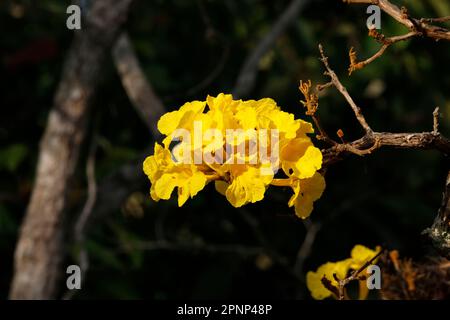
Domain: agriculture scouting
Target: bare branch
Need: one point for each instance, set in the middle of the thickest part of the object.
(420, 141)
(436, 121)
(344, 92)
(139, 90)
(420, 26)
(352, 277)
(386, 43)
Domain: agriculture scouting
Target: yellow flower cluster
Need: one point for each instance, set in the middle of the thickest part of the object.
(358, 257)
(225, 125)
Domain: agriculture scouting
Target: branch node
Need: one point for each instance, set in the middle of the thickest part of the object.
(436, 121)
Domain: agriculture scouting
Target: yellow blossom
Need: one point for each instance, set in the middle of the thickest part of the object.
(314, 279)
(300, 158)
(306, 191)
(359, 256)
(248, 185)
(239, 145)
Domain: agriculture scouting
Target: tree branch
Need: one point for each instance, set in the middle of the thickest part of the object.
(422, 27)
(139, 90)
(419, 141)
(338, 85)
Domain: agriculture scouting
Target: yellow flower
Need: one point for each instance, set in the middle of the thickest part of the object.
(300, 158)
(314, 279)
(239, 145)
(248, 185)
(180, 119)
(359, 256)
(165, 175)
(189, 182)
(306, 191)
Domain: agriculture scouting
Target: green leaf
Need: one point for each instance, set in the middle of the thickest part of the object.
(12, 156)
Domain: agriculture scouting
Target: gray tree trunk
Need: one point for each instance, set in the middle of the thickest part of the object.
(39, 251)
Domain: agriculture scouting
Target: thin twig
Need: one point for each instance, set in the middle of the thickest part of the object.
(421, 26)
(387, 42)
(436, 121)
(344, 92)
(342, 283)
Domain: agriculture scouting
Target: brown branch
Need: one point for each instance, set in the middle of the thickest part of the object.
(417, 27)
(419, 141)
(436, 121)
(338, 85)
(420, 26)
(39, 251)
(435, 20)
(139, 90)
(342, 283)
(386, 43)
(372, 141)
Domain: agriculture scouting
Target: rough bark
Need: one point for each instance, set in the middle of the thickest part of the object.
(440, 230)
(39, 251)
(419, 141)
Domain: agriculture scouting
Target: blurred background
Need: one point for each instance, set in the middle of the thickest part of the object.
(187, 50)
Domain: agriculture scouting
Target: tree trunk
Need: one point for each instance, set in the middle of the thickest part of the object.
(440, 230)
(39, 251)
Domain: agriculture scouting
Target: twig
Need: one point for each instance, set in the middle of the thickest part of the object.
(372, 141)
(387, 42)
(344, 92)
(417, 27)
(436, 121)
(420, 26)
(353, 276)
